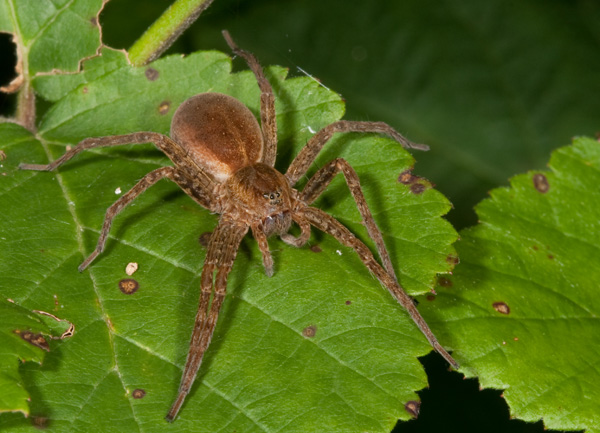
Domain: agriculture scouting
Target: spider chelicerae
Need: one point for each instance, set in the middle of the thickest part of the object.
(225, 161)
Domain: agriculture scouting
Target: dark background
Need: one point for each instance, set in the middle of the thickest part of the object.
(491, 86)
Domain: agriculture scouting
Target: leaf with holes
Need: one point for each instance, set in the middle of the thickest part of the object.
(38, 25)
(320, 345)
(522, 308)
(24, 336)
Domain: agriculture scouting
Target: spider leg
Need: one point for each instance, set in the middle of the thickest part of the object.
(268, 120)
(307, 155)
(93, 142)
(319, 182)
(222, 249)
(263, 245)
(145, 183)
(329, 224)
(304, 233)
(164, 143)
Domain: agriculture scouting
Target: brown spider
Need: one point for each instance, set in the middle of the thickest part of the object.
(225, 162)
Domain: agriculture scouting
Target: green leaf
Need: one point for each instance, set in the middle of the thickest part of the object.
(52, 34)
(522, 307)
(21, 339)
(260, 373)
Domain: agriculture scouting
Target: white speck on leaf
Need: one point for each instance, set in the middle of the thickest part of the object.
(131, 268)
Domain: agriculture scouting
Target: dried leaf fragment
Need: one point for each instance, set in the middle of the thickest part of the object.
(36, 340)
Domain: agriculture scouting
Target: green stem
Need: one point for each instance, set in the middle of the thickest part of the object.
(165, 30)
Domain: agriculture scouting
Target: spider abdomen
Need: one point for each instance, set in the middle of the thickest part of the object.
(220, 134)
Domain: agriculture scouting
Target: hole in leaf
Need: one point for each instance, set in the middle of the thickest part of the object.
(8, 54)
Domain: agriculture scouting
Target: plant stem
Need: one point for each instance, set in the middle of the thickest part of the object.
(165, 30)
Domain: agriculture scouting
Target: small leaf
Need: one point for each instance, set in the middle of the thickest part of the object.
(22, 338)
(522, 308)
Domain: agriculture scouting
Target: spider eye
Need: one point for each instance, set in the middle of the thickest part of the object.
(272, 195)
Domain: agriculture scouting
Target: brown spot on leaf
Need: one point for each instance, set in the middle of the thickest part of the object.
(163, 108)
(535, 247)
(309, 331)
(36, 340)
(84, 90)
(94, 21)
(445, 282)
(430, 297)
(316, 249)
(417, 188)
(550, 256)
(501, 307)
(417, 184)
(413, 407)
(2, 155)
(452, 259)
(151, 74)
(138, 393)
(40, 422)
(407, 178)
(128, 286)
(540, 182)
(348, 302)
(204, 239)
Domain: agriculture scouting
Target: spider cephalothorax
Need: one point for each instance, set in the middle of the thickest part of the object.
(224, 160)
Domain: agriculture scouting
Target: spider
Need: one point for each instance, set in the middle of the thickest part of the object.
(225, 161)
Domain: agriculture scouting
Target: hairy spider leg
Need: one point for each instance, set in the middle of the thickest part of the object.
(309, 152)
(268, 119)
(319, 182)
(145, 183)
(222, 249)
(202, 180)
(330, 225)
(263, 246)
